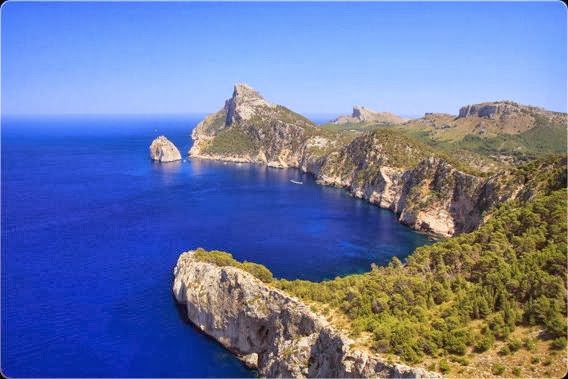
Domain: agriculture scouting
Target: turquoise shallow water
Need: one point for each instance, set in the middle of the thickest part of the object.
(91, 230)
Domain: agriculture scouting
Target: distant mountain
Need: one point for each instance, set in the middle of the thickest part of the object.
(502, 130)
(361, 114)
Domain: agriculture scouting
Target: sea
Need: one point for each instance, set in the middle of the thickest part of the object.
(92, 228)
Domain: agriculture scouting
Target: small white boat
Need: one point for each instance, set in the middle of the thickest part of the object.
(296, 182)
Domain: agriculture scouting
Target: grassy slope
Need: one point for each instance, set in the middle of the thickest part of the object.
(545, 137)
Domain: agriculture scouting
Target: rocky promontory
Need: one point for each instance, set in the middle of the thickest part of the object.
(163, 150)
(270, 330)
(362, 114)
(426, 189)
(251, 129)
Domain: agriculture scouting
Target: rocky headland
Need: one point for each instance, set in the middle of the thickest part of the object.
(270, 330)
(250, 129)
(427, 190)
(163, 150)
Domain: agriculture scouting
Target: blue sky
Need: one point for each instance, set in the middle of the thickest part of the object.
(316, 58)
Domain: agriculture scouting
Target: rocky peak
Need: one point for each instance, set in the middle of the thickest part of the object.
(244, 103)
(362, 113)
(244, 91)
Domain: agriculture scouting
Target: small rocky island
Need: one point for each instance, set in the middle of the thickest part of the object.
(270, 330)
(163, 150)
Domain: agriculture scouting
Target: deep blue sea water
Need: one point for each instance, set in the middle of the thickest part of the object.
(91, 230)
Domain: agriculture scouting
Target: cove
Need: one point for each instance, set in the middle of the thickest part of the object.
(91, 230)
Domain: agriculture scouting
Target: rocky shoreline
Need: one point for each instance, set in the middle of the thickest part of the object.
(269, 330)
(423, 189)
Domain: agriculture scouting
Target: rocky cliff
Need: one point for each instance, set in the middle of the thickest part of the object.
(163, 150)
(270, 330)
(361, 114)
(499, 109)
(250, 129)
(426, 189)
(422, 187)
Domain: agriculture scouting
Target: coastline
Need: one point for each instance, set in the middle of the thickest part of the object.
(237, 160)
(270, 330)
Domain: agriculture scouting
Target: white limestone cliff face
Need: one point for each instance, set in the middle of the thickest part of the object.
(270, 330)
(430, 196)
(163, 150)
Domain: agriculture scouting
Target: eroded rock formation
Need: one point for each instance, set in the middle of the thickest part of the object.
(270, 330)
(163, 150)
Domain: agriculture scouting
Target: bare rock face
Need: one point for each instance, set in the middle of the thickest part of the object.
(163, 150)
(270, 330)
(245, 103)
(427, 194)
(362, 114)
(487, 110)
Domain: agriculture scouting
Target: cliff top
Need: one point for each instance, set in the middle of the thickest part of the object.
(494, 109)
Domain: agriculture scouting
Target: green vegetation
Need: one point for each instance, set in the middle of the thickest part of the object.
(286, 115)
(231, 141)
(462, 295)
(514, 344)
(387, 146)
(559, 343)
(533, 143)
(509, 272)
(529, 344)
(497, 369)
(461, 360)
(444, 366)
(215, 122)
(544, 137)
(353, 126)
(221, 258)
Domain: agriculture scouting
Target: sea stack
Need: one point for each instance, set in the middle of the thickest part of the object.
(163, 150)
